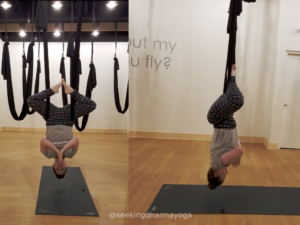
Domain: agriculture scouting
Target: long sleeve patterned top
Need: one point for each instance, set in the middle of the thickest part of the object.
(61, 116)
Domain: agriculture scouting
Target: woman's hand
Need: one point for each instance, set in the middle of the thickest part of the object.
(233, 70)
(60, 155)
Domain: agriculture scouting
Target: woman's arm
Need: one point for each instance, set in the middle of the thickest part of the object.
(238, 161)
(72, 143)
(232, 155)
(44, 144)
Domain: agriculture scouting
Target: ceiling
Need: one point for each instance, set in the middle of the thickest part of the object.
(18, 13)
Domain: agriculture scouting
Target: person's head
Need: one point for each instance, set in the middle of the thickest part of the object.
(216, 177)
(59, 168)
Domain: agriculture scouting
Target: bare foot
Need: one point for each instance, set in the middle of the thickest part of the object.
(233, 70)
(56, 87)
(68, 89)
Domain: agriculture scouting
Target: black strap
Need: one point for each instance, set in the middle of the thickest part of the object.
(37, 77)
(38, 70)
(70, 49)
(30, 71)
(41, 23)
(32, 16)
(24, 66)
(116, 43)
(62, 70)
(116, 89)
(234, 10)
(92, 55)
(6, 37)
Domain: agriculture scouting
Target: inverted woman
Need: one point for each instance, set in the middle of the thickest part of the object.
(59, 142)
(225, 148)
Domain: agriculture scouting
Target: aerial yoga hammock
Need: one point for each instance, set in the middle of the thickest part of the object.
(116, 88)
(59, 142)
(6, 72)
(92, 82)
(225, 148)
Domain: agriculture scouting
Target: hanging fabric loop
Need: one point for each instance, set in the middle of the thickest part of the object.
(27, 84)
(116, 85)
(116, 89)
(91, 84)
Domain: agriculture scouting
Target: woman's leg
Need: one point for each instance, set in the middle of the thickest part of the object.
(83, 105)
(221, 112)
(37, 101)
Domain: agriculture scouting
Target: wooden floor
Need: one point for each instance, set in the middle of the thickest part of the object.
(154, 162)
(103, 159)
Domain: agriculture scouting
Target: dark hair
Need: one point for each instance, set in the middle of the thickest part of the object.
(213, 181)
(59, 176)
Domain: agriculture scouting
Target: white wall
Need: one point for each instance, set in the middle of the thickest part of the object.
(288, 39)
(105, 116)
(177, 99)
(1, 87)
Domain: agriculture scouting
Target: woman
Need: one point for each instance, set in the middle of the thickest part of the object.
(225, 148)
(59, 142)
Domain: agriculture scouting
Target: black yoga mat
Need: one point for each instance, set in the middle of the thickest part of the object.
(67, 196)
(199, 199)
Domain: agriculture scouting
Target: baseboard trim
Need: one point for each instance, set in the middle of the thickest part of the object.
(198, 137)
(159, 135)
(108, 131)
(248, 139)
(23, 129)
(269, 145)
